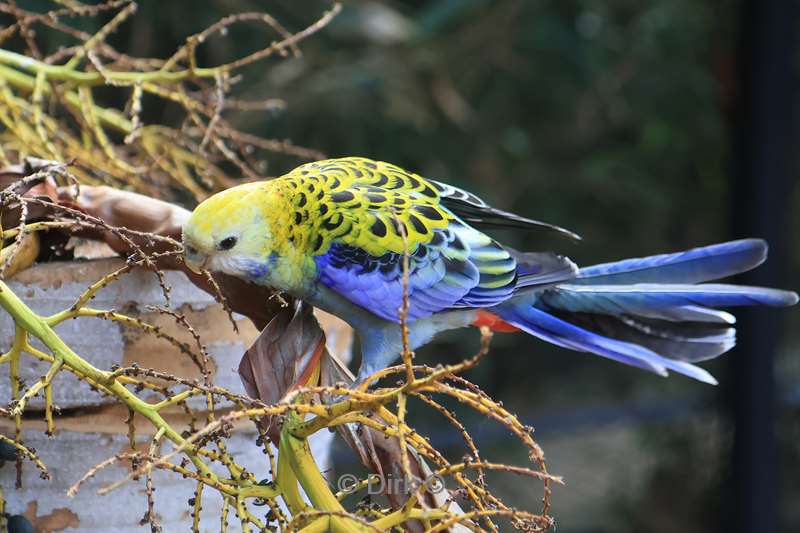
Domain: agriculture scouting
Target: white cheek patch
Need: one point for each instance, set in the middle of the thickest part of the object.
(226, 264)
(239, 266)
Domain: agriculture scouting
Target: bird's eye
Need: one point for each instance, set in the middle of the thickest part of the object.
(190, 250)
(227, 243)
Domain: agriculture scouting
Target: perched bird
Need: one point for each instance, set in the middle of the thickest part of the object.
(335, 233)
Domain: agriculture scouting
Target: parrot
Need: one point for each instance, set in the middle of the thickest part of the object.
(360, 238)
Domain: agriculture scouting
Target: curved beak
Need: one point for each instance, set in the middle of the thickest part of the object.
(197, 268)
(195, 261)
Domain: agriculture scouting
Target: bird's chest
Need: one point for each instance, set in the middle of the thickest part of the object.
(293, 273)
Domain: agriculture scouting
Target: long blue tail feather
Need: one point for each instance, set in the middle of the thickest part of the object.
(682, 341)
(654, 312)
(553, 329)
(691, 266)
(664, 301)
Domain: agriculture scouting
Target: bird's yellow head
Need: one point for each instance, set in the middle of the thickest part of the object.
(229, 232)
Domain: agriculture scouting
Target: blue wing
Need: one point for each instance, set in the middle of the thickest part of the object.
(457, 267)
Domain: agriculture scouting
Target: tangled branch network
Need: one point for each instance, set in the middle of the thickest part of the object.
(48, 110)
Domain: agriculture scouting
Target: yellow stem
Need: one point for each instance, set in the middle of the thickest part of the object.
(287, 481)
(404, 514)
(307, 472)
(61, 72)
(319, 525)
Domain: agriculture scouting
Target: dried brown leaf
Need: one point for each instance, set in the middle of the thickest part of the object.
(283, 357)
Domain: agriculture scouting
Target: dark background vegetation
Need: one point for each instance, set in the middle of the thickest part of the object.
(645, 126)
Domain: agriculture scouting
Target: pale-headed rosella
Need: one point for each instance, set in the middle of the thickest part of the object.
(334, 233)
